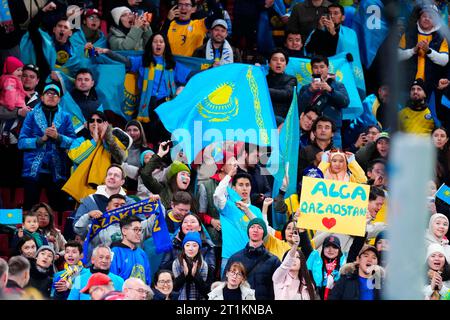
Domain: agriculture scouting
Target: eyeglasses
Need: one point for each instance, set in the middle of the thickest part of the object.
(98, 120)
(136, 230)
(141, 290)
(235, 274)
(163, 282)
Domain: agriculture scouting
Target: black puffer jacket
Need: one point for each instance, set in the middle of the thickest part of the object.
(260, 265)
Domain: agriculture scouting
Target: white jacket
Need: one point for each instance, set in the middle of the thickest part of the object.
(247, 292)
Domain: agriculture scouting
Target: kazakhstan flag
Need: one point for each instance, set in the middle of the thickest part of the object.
(226, 103)
(444, 193)
(10, 216)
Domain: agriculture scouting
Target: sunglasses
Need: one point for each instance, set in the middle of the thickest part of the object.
(92, 120)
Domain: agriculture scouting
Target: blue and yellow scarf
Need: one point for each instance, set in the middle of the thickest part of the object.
(147, 88)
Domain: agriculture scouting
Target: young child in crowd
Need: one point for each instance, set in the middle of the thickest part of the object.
(12, 94)
(337, 165)
(62, 281)
(29, 228)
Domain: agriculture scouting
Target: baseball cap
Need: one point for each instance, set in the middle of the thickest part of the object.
(92, 12)
(219, 22)
(31, 67)
(369, 248)
(383, 135)
(52, 87)
(97, 279)
(332, 240)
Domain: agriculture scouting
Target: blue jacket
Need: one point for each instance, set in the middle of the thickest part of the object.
(127, 263)
(315, 265)
(51, 152)
(81, 281)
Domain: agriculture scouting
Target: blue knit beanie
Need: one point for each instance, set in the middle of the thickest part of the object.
(142, 156)
(193, 236)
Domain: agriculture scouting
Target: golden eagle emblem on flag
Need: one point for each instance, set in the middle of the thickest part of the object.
(220, 105)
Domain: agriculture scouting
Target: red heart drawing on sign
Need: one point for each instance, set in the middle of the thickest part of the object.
(329, 222)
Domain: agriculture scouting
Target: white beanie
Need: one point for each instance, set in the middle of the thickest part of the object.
(118, 12)
(434, 217)
(433, 248)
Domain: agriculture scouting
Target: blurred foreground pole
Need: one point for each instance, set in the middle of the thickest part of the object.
(411, 165)
(412, 162)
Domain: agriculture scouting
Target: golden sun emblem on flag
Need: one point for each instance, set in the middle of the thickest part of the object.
(220, 105)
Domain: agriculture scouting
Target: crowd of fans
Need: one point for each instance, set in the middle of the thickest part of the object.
(225, 245)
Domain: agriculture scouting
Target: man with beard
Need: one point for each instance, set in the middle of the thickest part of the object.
(218, 48)
(416, 117)
(101, 262)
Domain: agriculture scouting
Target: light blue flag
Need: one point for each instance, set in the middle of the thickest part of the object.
(10, 216)
(68, 105)
(443, 193)
(301, 69)
(28, 54)
(194, 63)
(348, 42)
(287, 160)
(5, 13)
(236, 97)
(432, 107)
(445, 101)
(78, 41)
(371, 29)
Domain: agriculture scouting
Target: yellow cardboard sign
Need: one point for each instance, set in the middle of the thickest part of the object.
(333, 206)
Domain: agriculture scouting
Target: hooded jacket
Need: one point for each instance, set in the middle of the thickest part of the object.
(347, 287)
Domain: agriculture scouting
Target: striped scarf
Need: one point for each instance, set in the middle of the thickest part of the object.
(147, 89)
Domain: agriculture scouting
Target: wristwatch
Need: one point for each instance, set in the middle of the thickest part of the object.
(429, 51)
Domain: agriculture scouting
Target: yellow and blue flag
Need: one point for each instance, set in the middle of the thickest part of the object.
(342, 68)
(225, 103)
(443, 193)
(10, 216)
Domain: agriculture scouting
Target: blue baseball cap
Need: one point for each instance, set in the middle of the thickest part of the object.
(52, 87)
